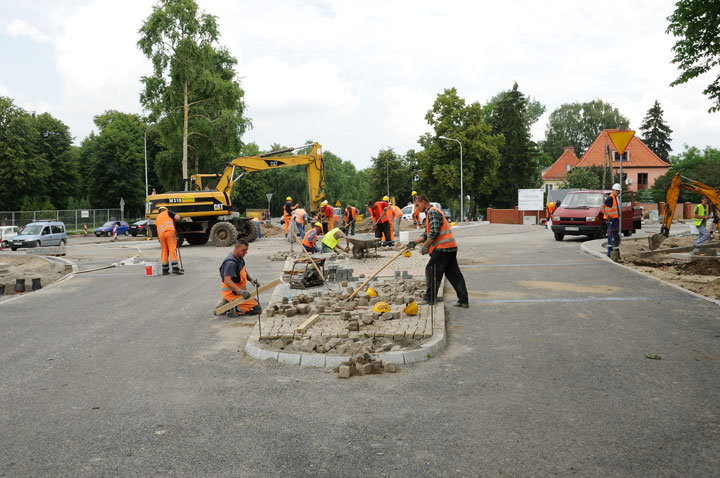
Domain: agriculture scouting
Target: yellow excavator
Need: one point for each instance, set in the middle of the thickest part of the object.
(206, 209)
(671, 197)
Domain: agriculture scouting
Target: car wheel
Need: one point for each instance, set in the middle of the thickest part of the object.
(558, 236)
(127, 233)
(97, 234)
(5, 244)
(63, 242)
(13, 248)
(627, 233)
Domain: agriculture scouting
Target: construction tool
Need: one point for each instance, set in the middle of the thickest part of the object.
(257, 295)
(302, 248)
(177, 249)
(378, 219)
(309, 277)
(361, 246)
(225, 307)
(352, 296)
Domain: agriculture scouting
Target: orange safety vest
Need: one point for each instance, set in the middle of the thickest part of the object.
(299, 215)
(445, 239)
(350, 215)
(611, 212)
(306, 239)
(377, 212)
(164, 222)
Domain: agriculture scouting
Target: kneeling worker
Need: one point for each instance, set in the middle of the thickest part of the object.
(235, 279)
(310, 238)
(332, 238)
(439, 241)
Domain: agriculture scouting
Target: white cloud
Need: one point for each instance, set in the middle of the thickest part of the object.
(5, 90)
(19, 28)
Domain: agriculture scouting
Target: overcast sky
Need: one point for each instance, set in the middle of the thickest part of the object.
(358, 76)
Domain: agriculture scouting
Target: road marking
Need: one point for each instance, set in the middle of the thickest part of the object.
(579, 299)
(544, 264)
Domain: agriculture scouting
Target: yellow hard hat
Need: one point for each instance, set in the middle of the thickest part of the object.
(288, 198)
(385, 198)
(323, 203)
(381, 308)
(411, 308)
(414, 193)
(162, 208)
(407, 253)
(452, 223)
(371, 292)
(317, 224)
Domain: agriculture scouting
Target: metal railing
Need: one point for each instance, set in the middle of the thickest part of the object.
(73, 218)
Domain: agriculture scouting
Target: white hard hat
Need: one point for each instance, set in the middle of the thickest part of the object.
(617, 187)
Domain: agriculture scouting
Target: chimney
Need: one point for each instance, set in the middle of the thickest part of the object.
(569, 148)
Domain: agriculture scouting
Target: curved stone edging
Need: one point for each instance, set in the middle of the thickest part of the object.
(584, 247)
(426, 351)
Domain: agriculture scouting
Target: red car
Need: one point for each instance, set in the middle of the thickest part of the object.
(580, 214)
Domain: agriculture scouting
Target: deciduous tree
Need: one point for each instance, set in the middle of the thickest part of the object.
(695, 23)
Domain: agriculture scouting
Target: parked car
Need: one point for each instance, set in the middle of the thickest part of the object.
(407, 212)
(40, 233)
(7, 233)
(140, 227)
(107, 228)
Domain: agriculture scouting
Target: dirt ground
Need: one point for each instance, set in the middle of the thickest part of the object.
(272, 230)
(29, 267)
(700, 275)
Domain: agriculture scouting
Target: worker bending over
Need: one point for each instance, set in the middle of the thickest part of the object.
(611, 213)
(439, 241)
(379, 214)
(332, 239)
(350, 219)
(310, 239)
(300, 218)
(234, 281)
(165, 224)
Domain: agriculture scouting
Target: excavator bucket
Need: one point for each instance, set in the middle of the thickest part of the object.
(654, 240)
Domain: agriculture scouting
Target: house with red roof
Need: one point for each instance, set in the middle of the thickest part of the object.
(639, 163)
(555, 174)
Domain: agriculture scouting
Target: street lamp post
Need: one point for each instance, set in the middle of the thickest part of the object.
(145, 148)
(462, 195)
(387, 176)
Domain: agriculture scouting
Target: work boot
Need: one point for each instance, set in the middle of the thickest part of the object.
(177, 271)
(426, 302)
(232, 312)
(696, 250)
(464, 305)
(166, 271)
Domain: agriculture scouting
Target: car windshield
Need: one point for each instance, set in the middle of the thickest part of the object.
(583, 200)
(31, 229)
(407, 209)
(109, 224)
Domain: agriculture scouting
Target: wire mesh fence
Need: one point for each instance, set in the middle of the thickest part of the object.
(74, 219)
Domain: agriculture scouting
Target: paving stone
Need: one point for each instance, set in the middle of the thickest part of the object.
(344, 371)
(390, 367)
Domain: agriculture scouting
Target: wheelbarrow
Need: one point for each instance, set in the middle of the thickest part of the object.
(361, 247)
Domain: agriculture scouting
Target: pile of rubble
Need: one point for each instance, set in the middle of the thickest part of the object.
(282, 255)
(356, 344)
(364, 365)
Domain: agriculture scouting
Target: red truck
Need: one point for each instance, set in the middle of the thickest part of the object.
(580, 214)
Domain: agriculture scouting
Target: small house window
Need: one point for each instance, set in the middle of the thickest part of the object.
(620, 157)
(642, 180)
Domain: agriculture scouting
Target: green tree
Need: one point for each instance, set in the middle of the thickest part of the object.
(389, 167)
(114, 160)
(517, 169)
(55, 145)
(695, 23)
(656, 133)
(579, 124)
(581, 178)
(192, 94)
(439, 162)
(24, 171)
(692, 163)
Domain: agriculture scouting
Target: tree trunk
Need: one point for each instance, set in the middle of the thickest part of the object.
(186, 108)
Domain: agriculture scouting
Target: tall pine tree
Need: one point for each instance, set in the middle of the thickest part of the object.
(656, 133)
(517, 168)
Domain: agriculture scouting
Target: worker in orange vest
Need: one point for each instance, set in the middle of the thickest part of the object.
(234, 282)
(166, 233)
(378, 211)
(288, 208)
(310, 238)
(350, 219)
(394, 215)
(415, 213)
(611, 213)
(439, 241)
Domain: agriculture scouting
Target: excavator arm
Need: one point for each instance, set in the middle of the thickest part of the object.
(671, 197)
(279, 159)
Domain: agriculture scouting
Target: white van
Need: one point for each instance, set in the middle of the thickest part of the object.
(7, 233)
(407, 212)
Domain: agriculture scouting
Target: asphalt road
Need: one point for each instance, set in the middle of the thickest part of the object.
(112, 373)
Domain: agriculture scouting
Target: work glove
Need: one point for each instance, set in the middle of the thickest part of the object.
(245, 294)
(425, 249)
(255, 282)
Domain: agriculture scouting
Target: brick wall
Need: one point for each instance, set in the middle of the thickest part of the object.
(511, 216)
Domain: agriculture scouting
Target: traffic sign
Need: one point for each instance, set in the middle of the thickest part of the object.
(269, 196)
(621, 139)
(337, 203)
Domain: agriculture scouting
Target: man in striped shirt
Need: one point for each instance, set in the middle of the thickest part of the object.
(439, 241)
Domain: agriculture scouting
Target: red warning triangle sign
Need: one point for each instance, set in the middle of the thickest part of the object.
(621, 139)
